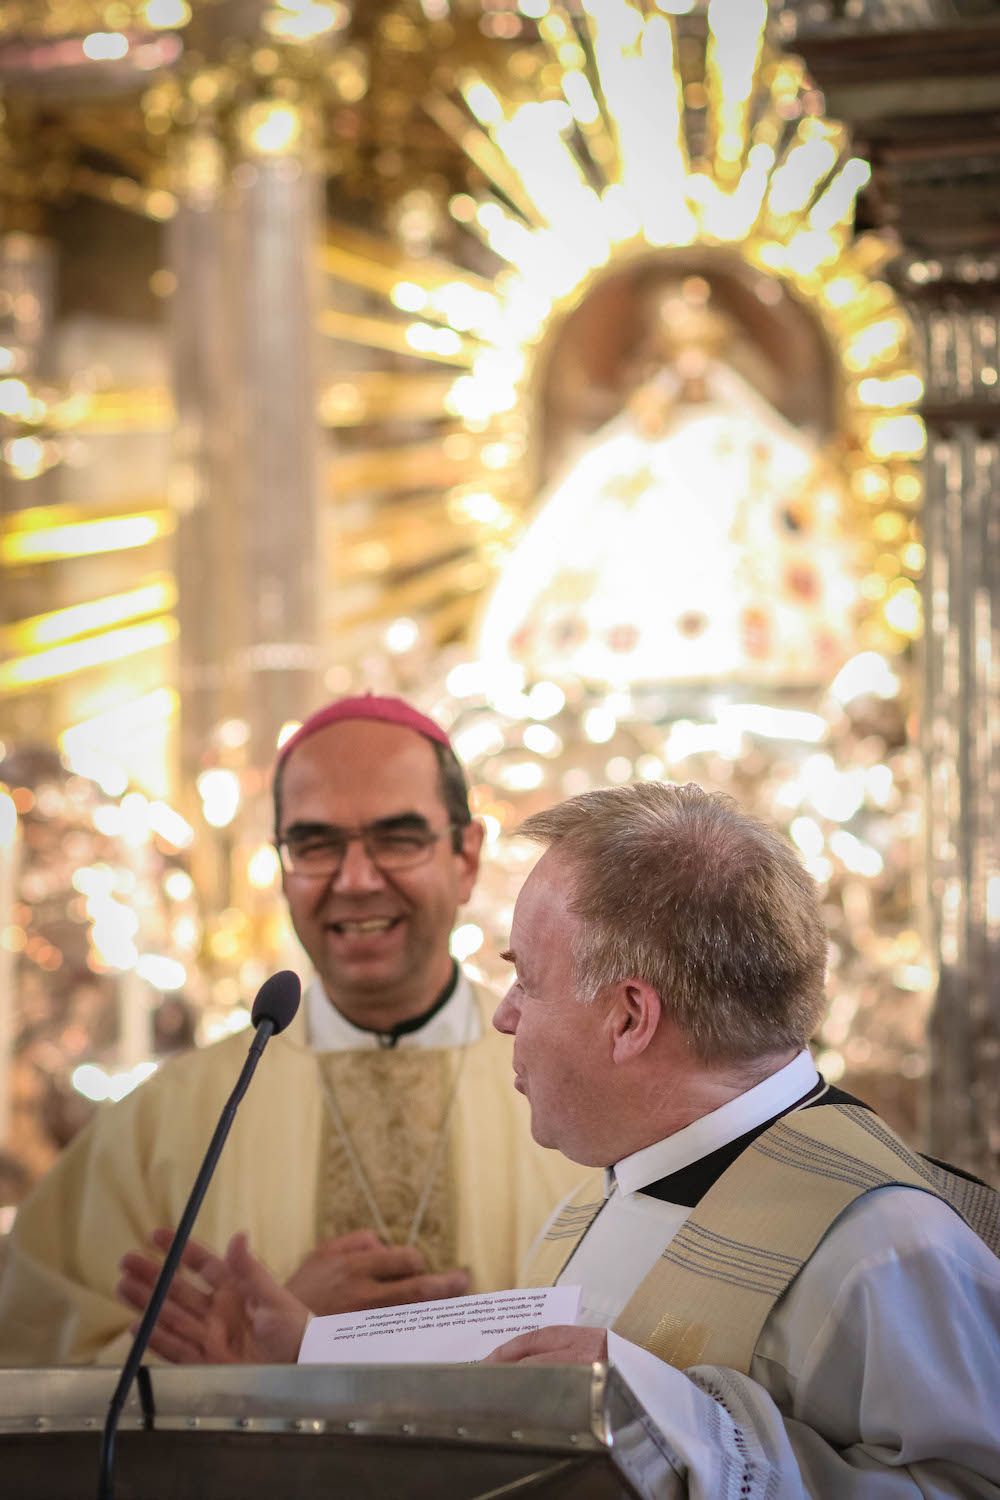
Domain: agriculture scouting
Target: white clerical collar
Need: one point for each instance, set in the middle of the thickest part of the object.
(456, 1024)
(722, 1125)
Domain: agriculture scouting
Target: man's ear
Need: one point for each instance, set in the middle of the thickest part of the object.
(469, 855)
(635, 1014)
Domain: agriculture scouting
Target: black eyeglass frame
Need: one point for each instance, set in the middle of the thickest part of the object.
(429, 838)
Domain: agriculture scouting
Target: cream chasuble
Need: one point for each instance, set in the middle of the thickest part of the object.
(284, 1175)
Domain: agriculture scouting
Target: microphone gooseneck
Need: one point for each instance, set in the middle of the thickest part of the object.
(276, 1003)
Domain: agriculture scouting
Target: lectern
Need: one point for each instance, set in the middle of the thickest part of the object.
(337, 1432)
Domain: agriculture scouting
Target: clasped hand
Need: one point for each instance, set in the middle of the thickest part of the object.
(229, 1309)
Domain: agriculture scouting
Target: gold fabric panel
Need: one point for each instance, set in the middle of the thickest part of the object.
(393, 1103)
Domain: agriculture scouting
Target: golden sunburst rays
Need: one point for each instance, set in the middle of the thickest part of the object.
(644, 132)
(412, 525)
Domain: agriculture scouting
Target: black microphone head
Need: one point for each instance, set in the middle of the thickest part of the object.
(277, 1000)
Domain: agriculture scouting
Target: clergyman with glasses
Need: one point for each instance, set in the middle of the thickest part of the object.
(380, 1155)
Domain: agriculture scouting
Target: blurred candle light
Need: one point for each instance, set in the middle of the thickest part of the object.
(105, 46)
(263, 867)
(219, 791)
(166, 14)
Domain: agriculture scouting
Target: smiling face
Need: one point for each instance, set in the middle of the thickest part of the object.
(379, 942)
(563, 1047)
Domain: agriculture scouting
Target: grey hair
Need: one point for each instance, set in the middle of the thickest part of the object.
(681, 888)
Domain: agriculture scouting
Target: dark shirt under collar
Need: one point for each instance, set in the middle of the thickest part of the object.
(689, 1185)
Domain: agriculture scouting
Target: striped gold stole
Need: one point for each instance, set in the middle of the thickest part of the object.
(706, 1299)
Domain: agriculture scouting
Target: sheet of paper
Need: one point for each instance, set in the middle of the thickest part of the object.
(458, 1330)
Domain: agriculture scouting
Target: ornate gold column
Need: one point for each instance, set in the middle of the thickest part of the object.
(922, 103)
(27, 258)
(27, 285)
(27, 275)
(243, 249)
(955, 302)
(278, 228)
(202, 491)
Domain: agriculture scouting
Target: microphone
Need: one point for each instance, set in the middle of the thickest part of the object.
(276, 1003)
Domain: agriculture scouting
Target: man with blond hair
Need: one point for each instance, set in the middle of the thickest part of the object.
(379, 1156)
(824, 1304)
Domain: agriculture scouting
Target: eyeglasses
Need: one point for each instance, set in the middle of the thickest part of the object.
(321, 851)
